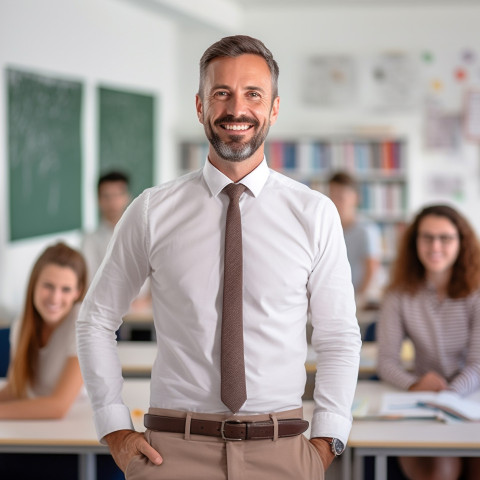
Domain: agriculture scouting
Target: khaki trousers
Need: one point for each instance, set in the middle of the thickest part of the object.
(198, 457)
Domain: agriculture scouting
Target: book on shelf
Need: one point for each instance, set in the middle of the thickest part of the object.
(360, 156)
(443, 406)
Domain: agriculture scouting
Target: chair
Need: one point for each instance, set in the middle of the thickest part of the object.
(370, 333)
(4, 350)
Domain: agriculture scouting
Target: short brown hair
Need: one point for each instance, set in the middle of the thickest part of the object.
(235, 46)
(344, 179)
(408, 272)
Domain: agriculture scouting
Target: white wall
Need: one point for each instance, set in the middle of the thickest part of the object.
(294, 34)
(130, 44)
(109, 42)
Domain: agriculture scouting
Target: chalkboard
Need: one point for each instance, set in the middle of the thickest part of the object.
(126, 136)
(44, 154)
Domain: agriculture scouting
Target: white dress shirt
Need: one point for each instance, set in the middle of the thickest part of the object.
(294, 261)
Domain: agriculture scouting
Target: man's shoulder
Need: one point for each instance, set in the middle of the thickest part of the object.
(294, 186)
(177, 184)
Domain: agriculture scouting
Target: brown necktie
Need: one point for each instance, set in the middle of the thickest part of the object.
(234, 391)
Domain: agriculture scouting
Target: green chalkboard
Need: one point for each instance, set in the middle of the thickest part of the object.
(44, 154)
(126, 136)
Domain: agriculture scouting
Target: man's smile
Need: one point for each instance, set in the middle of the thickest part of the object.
(236, 127)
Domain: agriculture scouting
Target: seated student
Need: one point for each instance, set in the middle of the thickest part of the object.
(113, 198)
(434, 300)
(362, 237)
(44, 376)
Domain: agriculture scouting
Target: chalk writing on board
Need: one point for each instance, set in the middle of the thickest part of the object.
(44, 153)
(126, 136)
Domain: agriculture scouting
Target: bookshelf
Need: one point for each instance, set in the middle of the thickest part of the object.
(379, 163)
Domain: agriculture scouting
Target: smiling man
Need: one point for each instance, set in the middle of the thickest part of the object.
(238, 257)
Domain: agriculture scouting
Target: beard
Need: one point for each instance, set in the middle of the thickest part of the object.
(236, 150)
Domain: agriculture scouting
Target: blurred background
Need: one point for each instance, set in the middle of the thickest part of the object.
(386, 89)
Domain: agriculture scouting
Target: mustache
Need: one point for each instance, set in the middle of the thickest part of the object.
(232, 119)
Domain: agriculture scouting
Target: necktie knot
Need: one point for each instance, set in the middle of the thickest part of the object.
(234, 191)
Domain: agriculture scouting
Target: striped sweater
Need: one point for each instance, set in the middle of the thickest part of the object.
(445, 334)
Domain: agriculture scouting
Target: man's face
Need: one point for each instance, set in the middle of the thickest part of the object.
(237, 107)
(113, 198)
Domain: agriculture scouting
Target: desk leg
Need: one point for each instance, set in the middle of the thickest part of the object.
(358, 465)
(87, 464)
(380, 467)
(347, 464)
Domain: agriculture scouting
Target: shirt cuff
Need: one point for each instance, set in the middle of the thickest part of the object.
(325, 424)
(110, 419)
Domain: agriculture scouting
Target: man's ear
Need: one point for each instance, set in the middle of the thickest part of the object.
(274, 111)
(199, 108)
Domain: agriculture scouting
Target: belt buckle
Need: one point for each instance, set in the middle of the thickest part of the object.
(222, 431)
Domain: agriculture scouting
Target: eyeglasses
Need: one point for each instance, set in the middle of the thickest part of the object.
(445, 239)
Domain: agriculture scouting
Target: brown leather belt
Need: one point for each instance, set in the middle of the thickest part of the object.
(228, 429)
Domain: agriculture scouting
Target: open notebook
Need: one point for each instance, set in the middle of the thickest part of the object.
(415, 405)
(442, 406)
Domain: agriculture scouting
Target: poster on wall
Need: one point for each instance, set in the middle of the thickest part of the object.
(441, 129)
(447, 187)
(472, 115)
(392, 82)
(44, 154)
(329, 81)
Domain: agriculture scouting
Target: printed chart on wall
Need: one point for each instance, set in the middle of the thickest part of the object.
(126, 135)
(44, 154)
(329, 81)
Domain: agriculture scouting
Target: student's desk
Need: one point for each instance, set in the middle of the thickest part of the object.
(137, 358)
(75, 433)
(421, 438)
(368, 358)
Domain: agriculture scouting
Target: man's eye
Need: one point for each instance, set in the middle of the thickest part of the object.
(254, 94)
(221, 94)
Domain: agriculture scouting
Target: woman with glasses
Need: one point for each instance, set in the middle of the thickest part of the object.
(434, 300)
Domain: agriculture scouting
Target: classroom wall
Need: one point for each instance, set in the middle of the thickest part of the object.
(110, 42)
(129, 44)
(361, 32)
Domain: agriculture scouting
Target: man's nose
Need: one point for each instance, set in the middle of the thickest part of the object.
(236, 106)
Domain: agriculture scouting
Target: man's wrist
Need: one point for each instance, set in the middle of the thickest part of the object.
(116, 435)
(335, 445)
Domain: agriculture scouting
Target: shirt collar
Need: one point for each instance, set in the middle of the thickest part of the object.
(254, 181)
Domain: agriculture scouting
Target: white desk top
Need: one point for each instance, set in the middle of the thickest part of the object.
(76, 428)
(137, 357)
(408, 433)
